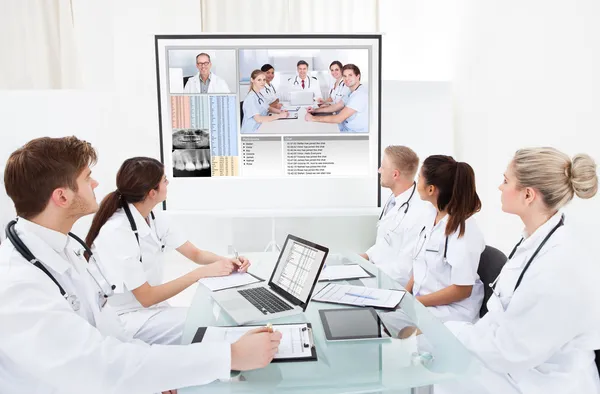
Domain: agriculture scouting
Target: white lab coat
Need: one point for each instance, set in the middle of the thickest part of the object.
(432, 273)
(269, 93)
(47, 347)
(539, 339)
(397, 234)
(216, 85)
(310, 83)
(120, 254)
(336, 93)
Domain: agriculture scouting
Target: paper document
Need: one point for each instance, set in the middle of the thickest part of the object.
(296, 339)
(358, 295)
(338, 272)
(236, 279)
(290, 108)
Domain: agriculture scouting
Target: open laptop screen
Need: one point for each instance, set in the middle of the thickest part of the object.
(297, 269)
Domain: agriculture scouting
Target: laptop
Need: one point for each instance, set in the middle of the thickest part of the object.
(288, 291)
(301, 97)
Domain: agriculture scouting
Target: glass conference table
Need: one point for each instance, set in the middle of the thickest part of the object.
(409, 365)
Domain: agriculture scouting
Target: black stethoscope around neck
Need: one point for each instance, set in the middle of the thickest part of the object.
(512, 253)
(298, 83)
(133, 226)
(406, 203)
(105, 291)
(268, 89)
(338, 87)
(261, 100)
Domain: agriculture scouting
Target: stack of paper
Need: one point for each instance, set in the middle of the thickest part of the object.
(360, 296)
(339, 272)
(236, 279)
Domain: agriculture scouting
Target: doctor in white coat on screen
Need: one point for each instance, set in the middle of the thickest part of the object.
(205, 81)
(338, 88)
(57, 335)
(305, 82)
(132, 239)
(542, 324)
(402, 216)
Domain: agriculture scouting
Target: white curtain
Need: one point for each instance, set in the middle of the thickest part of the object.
(290, 16)
(37, 45)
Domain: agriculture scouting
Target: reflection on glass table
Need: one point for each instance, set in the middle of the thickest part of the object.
(380, 365)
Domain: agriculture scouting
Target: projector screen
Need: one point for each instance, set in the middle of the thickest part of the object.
(303, 133)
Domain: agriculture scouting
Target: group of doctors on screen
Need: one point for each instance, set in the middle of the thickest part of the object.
(346, 103)
(100, 320)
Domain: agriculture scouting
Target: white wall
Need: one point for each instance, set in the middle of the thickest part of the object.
(527, 75)
(420, 38)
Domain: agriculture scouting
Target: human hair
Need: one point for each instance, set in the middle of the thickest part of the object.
(555, 175)
(301, 62)
(135, 179)
(404, 159)
(266, 67)
(457, 194)
(202, 54)
(41, 166)
(253, 76)
(338, 63)
(352, 67)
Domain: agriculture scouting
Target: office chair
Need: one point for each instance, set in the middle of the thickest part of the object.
(490, 264)
(185, 79)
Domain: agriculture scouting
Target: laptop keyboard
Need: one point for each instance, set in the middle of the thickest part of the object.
(264, 300)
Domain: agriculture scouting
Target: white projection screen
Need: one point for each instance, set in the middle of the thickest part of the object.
(225, 147)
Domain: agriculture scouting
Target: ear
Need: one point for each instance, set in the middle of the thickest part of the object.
(61, 197)
(430, 190)
(529, 194)
(152, 193)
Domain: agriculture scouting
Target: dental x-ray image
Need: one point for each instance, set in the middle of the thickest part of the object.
(190, 139)
(191, 163)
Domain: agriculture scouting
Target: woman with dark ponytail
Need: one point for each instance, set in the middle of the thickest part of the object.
(130, 238)
(446, 256)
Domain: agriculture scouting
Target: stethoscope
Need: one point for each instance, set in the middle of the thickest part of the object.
(493, 284)
(269, 91)
(135, 230)
(338, 88)
(428, 250)
(406, 203)
(260, 102)
(298, 83)
(106, 289)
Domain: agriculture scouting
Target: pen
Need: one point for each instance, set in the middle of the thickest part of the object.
(235, 253)
(270, 327)
(361, 296)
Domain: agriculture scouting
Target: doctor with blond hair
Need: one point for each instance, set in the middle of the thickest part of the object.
(542, 324)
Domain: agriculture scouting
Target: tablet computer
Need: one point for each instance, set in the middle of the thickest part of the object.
(351, 324)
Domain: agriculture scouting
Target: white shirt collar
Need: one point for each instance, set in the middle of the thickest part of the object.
(541, 231)
(47, 242)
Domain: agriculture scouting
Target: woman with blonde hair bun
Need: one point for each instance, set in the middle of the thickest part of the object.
(543, 326)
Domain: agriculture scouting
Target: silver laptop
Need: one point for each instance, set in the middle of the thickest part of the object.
(301, 97)
(288, 291)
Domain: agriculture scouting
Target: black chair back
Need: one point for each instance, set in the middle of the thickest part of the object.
(490, 264)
